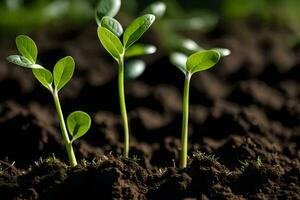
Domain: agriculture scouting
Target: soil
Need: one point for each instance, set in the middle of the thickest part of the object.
(244, 131)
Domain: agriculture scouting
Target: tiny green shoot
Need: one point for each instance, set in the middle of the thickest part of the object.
(197, 62)
(205, 157)
(109, 30)
(244, 165)
(259, 162)
(78, 122)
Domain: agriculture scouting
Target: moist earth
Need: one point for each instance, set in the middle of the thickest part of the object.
(244, 131)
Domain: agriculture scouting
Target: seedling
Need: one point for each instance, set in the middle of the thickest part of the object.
(133, 67)
(78, 122)
(109, 31)
(197, 62)
(259, 162)
(244, 165)
(205, 157)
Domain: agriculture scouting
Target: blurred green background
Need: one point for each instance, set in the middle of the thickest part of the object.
(19, 16)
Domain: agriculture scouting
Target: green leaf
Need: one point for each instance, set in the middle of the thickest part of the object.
(139, 49)
(107, 8)
(202, 60)
(136, 29)
(179, 60)
(78, 124)
(27, 48)
(63, 72)
(134, 69)
(44, 76)
(113, 25)
(110, 42)
(157, 8)
(20, 60)
(224, 52)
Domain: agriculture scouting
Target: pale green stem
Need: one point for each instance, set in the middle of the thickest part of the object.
(185, 119)
(64, 132)
(123, 107)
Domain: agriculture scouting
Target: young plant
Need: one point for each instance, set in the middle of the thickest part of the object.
(109, 31)
(197, 62)
(259, 162)
(133, 67)
(78, 122)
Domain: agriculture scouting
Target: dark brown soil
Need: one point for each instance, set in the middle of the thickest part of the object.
(244, 133)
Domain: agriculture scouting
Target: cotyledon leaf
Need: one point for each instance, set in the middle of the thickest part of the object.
(44, 76)
(202, 60)
(63, 72)
(113, 25)
(110, 42)
(136, 29)
(27, 48)
(78, 124)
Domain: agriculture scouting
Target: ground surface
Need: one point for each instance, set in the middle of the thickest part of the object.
(244, 110)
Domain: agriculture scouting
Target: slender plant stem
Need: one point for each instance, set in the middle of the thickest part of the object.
(185, 120)
(123, 107)
(64, 132)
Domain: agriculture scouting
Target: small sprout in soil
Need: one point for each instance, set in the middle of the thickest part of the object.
(84, 163)
(78, 122)
(202, 156)
(161, 171)
(197, 62)
(244, 165)
(174, 163)
(135, 158)
(39, 162)
(259, 162)
(97, 161)
(109, 31)
(51, 160)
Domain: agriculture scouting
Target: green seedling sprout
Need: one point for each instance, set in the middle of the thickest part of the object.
(104, 13)
(109, 31)
(78, 122)
(259, 162)
(197, 62)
